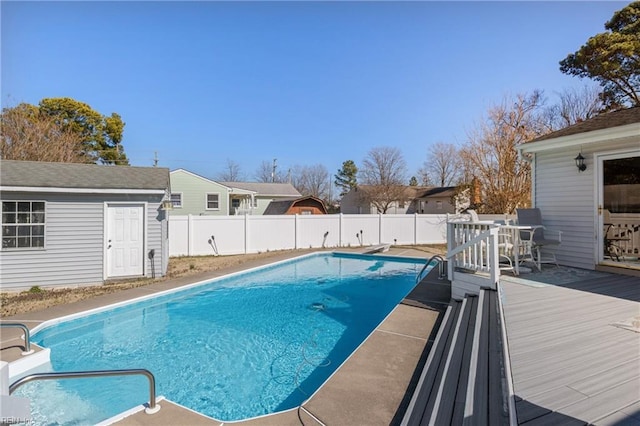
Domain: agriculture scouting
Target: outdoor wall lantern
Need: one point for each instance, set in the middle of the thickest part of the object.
(580, 163)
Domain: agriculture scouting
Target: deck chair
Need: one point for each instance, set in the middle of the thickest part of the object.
(538, 243)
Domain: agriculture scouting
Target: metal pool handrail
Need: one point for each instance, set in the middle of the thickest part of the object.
(439, 260)
(27, 334)
(153, 407)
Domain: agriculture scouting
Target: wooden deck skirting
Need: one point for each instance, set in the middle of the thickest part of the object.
(462, 380)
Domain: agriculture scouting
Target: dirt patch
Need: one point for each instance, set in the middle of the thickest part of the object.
(35, 299)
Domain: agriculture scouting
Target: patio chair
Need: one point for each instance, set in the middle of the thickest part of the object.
(538, 243)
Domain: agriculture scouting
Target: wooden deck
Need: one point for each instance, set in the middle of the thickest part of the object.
(571, 363)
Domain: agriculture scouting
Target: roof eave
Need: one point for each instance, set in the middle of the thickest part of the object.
(602, 135)
(80, 190)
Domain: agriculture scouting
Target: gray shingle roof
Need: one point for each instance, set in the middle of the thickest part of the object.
(84, 176)
(603, 121)
(277, 189)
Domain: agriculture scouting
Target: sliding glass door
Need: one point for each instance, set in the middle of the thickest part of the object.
(619, 209)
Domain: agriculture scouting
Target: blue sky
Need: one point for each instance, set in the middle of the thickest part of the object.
(304, 82)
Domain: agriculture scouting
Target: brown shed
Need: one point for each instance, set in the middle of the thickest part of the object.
(302, 205)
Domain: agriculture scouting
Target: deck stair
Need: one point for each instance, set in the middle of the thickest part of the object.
(463, 379)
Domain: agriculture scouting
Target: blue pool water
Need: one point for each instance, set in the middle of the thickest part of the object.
(238, 347)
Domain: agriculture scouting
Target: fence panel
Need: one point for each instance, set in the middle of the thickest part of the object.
(360, 229)
(272, 232)
(311, 231)
(226, 235)
(431, 229)
(179, 236)
(398, 229)
(217, 235)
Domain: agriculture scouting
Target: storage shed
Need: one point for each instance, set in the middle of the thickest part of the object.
(69, 224)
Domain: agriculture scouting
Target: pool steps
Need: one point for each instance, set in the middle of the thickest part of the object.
(463, 380)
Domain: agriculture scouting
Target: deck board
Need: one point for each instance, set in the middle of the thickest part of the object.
(568, 360)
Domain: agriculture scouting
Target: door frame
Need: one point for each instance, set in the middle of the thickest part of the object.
(600, 157)
(105, 232)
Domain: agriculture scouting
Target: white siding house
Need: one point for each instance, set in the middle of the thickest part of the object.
(575, 201)
(81, 224)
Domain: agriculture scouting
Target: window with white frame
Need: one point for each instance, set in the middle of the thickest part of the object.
(176, 200)
(255, 202)
(23, 224)
(213, 201)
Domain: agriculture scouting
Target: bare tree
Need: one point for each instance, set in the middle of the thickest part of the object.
(231, 173)
(442, 165)
(384, 170)
(30, 136)
(268, 172)
(575, 105)
(492, 152)
(311, 180)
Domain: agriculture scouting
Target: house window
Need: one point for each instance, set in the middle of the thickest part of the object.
(23, 224)
(176, 200)
(235, 203)
(306, 211)
(213, 201)
(438, 205)
(255, 202)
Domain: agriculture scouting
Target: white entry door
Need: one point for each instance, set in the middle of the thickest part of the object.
(125, 240)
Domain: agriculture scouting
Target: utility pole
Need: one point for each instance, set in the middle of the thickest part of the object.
(155, 159)
(273, 170)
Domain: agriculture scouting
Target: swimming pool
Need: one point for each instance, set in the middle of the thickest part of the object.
(237, 347)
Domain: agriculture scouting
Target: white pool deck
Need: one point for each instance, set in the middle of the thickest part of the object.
(573, 359)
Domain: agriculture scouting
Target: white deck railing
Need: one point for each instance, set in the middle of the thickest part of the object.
(473, 246)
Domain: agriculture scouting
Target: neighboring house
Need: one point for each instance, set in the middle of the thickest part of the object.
(578, 201)
(302, 205)
(434, 201)
(265, 193)
(417, 199)
(81, 224)
(197, 195)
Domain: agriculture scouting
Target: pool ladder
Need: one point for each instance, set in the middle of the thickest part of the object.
(440, 262)
(152, 407)
(27, 335)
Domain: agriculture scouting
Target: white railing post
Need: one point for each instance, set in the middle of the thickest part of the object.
(494, 259)
(451, 238)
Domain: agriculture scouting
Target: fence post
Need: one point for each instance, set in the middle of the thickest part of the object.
(379, 228)
(246, 233)
(189, 236)
(295, 231)
(415, 229)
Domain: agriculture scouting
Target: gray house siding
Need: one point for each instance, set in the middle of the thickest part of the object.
(74, 241)
(567, 199)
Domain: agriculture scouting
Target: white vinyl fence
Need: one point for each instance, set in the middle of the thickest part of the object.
(226, 235)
